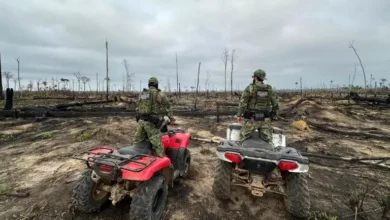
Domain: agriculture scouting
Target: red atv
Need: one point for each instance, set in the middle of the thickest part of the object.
(133, 171)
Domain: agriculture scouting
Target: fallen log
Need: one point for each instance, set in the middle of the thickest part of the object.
(19, 194)
(8, 113)
(345, 132)
(61, 106)
(70, 114)
(100, 109)
(351, 159)
(55, 98)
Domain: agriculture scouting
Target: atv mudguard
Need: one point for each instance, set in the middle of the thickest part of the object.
(158, 165)
(286, 153)
(140, 169)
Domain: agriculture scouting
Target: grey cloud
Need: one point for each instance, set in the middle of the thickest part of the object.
(288, 39)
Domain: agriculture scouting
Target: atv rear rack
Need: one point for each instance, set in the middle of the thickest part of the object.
(114, 161)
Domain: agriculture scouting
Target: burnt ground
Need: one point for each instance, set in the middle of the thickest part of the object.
(36, 158)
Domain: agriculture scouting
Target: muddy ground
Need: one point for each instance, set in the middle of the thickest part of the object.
(36, 158)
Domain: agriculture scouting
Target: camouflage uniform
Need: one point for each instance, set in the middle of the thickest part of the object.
(258, 97)
(152, 102)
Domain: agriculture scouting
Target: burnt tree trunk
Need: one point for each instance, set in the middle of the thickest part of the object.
(1, 83)
(197, 86)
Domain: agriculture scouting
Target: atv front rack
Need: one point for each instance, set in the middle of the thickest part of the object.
(115, 161)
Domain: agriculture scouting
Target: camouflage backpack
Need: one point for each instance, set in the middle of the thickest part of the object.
(260, 96)
(149, 102)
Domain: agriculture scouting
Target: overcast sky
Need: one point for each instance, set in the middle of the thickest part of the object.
(289, 39)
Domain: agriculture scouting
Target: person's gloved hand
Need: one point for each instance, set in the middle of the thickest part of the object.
(172, 121)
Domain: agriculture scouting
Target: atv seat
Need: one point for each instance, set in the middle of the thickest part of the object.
(143, 147)
(255, 141)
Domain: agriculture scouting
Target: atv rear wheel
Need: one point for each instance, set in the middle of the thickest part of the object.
(222, 179)
(298, 198)
(148, 201)
(187, 166)
(86, 195)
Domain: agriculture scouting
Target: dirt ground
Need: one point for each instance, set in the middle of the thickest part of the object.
(36, 158)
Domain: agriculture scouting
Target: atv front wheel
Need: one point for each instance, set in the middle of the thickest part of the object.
(298, 198)
(222, 179)
(148, 201)
(86, 195)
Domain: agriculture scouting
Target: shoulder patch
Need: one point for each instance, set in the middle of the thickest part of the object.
(262, 94)
(144, 96)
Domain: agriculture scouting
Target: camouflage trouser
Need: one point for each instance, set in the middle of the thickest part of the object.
(264, 128)
(145, 130)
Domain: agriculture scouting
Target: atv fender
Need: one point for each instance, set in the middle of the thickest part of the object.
(146, 174)
(181, 159)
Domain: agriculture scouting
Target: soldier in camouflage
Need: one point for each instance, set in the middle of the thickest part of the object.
(257, 105)
(152, 106)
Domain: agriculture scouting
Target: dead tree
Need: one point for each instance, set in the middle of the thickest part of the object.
(361, 64)
(177, 77)
(8, 76)
(78, 76)
(38, 82)
(225, 58)
(30, 86)
(44, 84)
(17, 60)
(206, 86)
(15, 82)
(197, 85)
(85, 80)
(383, 81)
(354, 75)
(231, 73)
(169, 85)
(64, 82)
(1, 82)
(97, 83)
(107, 78)
(129, 75)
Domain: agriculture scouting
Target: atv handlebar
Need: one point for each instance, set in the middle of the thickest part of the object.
(167, 122)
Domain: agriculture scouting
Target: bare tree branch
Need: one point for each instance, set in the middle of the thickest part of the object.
(85, 80)
(207, 81)
(78, 76)
(38, 83)
(232, 59)
(1, 82)
(361, 64)
(129, 75)
(197, 86)
(17, 60)
(225, 58)
(8, 76)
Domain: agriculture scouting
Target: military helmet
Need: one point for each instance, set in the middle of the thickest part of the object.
(260, 73)
(153, 81)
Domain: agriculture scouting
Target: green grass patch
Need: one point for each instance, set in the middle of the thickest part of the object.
(46, 135)
(321, 216)
(4, 189)
(7, 137)
(85, 135)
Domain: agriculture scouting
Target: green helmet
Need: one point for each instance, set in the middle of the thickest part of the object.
(260, 73)
(153, 81)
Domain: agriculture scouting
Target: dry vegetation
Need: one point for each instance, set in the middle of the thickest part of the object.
(37, 173)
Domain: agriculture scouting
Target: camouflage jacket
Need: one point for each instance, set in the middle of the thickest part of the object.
(258, 97)
(154, 102)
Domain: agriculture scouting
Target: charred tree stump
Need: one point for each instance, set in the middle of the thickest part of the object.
(9, 99)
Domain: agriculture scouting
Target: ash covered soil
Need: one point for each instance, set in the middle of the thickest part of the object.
(35, 157)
